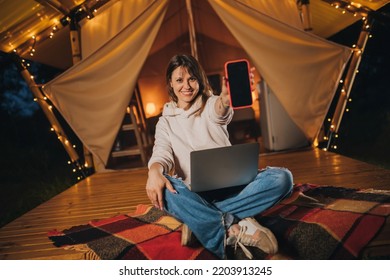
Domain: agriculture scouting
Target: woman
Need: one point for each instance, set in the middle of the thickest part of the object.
(196, 119)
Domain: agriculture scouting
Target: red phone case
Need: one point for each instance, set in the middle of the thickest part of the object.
(228, 85)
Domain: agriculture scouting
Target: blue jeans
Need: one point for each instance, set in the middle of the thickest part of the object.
(209, 219)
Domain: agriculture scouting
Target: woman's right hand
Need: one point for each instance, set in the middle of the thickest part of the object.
(156, 184)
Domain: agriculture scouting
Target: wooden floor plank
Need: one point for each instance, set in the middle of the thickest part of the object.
(107, 194)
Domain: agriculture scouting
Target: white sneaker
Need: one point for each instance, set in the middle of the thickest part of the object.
(251, 233)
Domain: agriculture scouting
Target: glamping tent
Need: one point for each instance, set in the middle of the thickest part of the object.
(108, 48)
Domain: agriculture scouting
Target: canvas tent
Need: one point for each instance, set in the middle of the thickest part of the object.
(128, 42)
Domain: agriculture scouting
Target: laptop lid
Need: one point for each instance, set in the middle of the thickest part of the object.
(224, 167)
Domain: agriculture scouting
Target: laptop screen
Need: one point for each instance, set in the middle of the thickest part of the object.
(224, 167)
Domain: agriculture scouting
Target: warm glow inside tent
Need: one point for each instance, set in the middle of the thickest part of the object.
(127, 43)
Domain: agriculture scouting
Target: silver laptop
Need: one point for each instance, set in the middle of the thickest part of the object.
(225, 167)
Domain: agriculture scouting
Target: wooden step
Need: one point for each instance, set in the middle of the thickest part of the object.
(129, 126)
(128, 151)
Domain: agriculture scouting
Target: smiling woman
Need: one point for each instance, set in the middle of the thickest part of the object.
(185, 87)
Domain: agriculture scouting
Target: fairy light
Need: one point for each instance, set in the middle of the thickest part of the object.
(351, 7)
(32, 49)
(52, 26)
(29, 47)
(355, 9)
(44, 101)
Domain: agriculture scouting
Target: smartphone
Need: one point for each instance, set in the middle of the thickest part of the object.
(239, 83)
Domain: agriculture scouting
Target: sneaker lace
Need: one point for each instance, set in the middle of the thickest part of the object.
(242, 238)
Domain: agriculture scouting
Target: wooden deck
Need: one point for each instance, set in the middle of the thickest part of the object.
(107, 194)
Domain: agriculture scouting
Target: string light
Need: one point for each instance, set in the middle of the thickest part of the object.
(351, 7)
(52, 27)
(32, 49)
(356, 10)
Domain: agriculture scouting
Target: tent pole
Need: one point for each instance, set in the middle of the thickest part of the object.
(349, 79)
(304, 7)
(76, 57)
(41, 99)
(191, 28)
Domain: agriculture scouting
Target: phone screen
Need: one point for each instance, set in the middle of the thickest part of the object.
(239, 86)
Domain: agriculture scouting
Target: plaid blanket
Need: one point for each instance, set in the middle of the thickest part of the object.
(315, 222)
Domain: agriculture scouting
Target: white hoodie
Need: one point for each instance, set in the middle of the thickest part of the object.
(178, 132)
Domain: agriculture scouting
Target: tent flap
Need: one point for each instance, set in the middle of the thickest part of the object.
(93, 95)
(301, 68)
